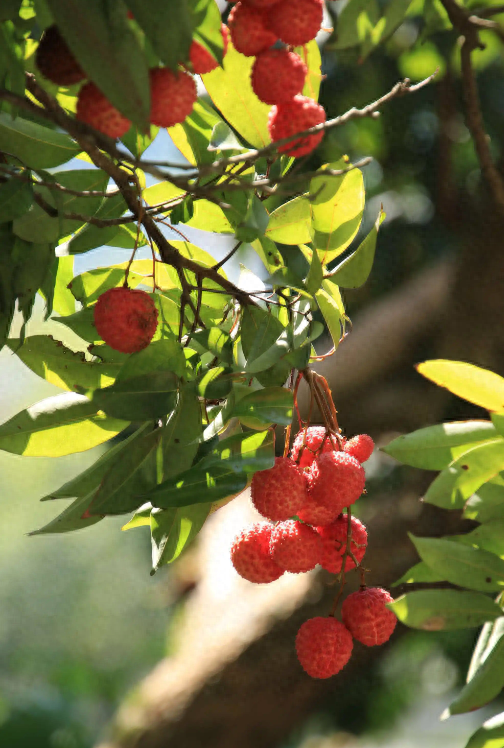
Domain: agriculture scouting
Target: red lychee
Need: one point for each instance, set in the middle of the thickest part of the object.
(173, 96)
(55, 60)
(334, 539)
(249, 29)
(361, 447)
(323, 646)
(297, 115)
(296, 22)
(201, 60)
(366, 616)
(126, 319)
(278, 75)
(295, 547)
(337, 480)
(315, 436)
(251, 557)
(95, 109)
(279, 492)
(316, 514)
(261, 3)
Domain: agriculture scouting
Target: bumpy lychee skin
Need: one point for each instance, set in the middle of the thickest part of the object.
(366, 617)
(55, 60)
(279, 492)
(295, 547)
(337, 480)
(261, 3)
(297, 115)
(249, 29)
(173, 96)
(334, 539)
(315, 436)
(323, 646)
(200, 58)
(250, 555)
(95, 109)
(317, 515)
(361, 447)
(126, 319)
(278, 75)
(296, 22)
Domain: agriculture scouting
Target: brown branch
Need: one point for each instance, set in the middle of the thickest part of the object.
(20, 177)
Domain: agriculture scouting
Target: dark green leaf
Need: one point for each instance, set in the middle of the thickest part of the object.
(160, 356)
(255, 221)
(199, 485)
(82, 324)
(268, 406)
(173, 530)
(33, 264)
(216, 384)
(167, 26)
(36, 146)
(487, 503)
(140, 398)
(246, 453)
(315, 276)
(9, 9)
(356, 23)
(182, 434)
(70, 518)
(15, 199)
(91, 236)
(489, 537)
(217, 342)
(444, 610)
(419, 573)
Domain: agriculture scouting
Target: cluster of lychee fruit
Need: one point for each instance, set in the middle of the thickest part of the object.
(304, 496)
(278, 73)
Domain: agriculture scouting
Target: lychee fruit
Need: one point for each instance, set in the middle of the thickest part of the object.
(323, 646)
(173, 96)
(366, 616)
(297, 115)
(261, 3)
(279, 492)
(201, 60)
(278, 75)
(295, 547)
(249, 30)
(361, 447)
(337, 480)
(250, 554)
(334, 541)
(55, 60)
(315, 436)
(126, 319)
(95, 109)
(296, 22)
(316, 514)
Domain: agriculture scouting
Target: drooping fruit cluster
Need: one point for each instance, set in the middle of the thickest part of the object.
(126, 319)
(279, 74)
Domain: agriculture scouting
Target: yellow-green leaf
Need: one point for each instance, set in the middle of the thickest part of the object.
(478, 386)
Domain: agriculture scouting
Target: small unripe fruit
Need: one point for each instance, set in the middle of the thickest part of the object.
(323, 646)
(200, 58)
(297, 115)
(361, 447)
(296, 22)
(126, 319)
(173, 96)
(278, 75)
(295, 547)
(366, 616)
(95, 109)
(55, 60)
(334, 541)
(279, 492)
(337, 480)
(249, 30)
(250, 555)
(315, 437)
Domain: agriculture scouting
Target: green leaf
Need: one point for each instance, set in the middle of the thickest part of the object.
(291, 222)
(16, 198)
(216, 341)
(337, 205)
(100, 36)
(310, 53)
(141, 518)
(216, 384)
(331, 313)
(418, 573)
(9, 9)
(160, 356)
(490, 735)
(206, 21)
(199, 485)
(82, 324)
(356, 22)
(466, 474)
(244, 453)
(7, 291)
(70, 518)
(140, 398)
(33, 265)
(354, 271)
(268, 253)
(435, 447)
(265, 407)
(167, 26)
(315, 275)
(35, 145)
(230, 89)
(478, 386)
(193, 135)
(260, 331)
(182, 434)
(91, 236)
(173, 530)
(444, 610)
(486, 504)
(57, 426)
(461, 564)
(255, 221)
(489, 537)
(394, 14)
(67, 369)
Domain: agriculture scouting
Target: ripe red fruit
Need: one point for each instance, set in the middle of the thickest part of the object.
(55, 60)
(261, 3)
(278, 75)
(126, 319)
(361, 447)
(201, 60)
(315, 435)
(323, 646)
(295, 547)
(334, 540)
(279, 492)
(249, 29)
(95, 109)
(316, 514)
(296, 22)
(297, 115)
(366, 617)
(337, 480)
(250, 555)
(173, 96)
